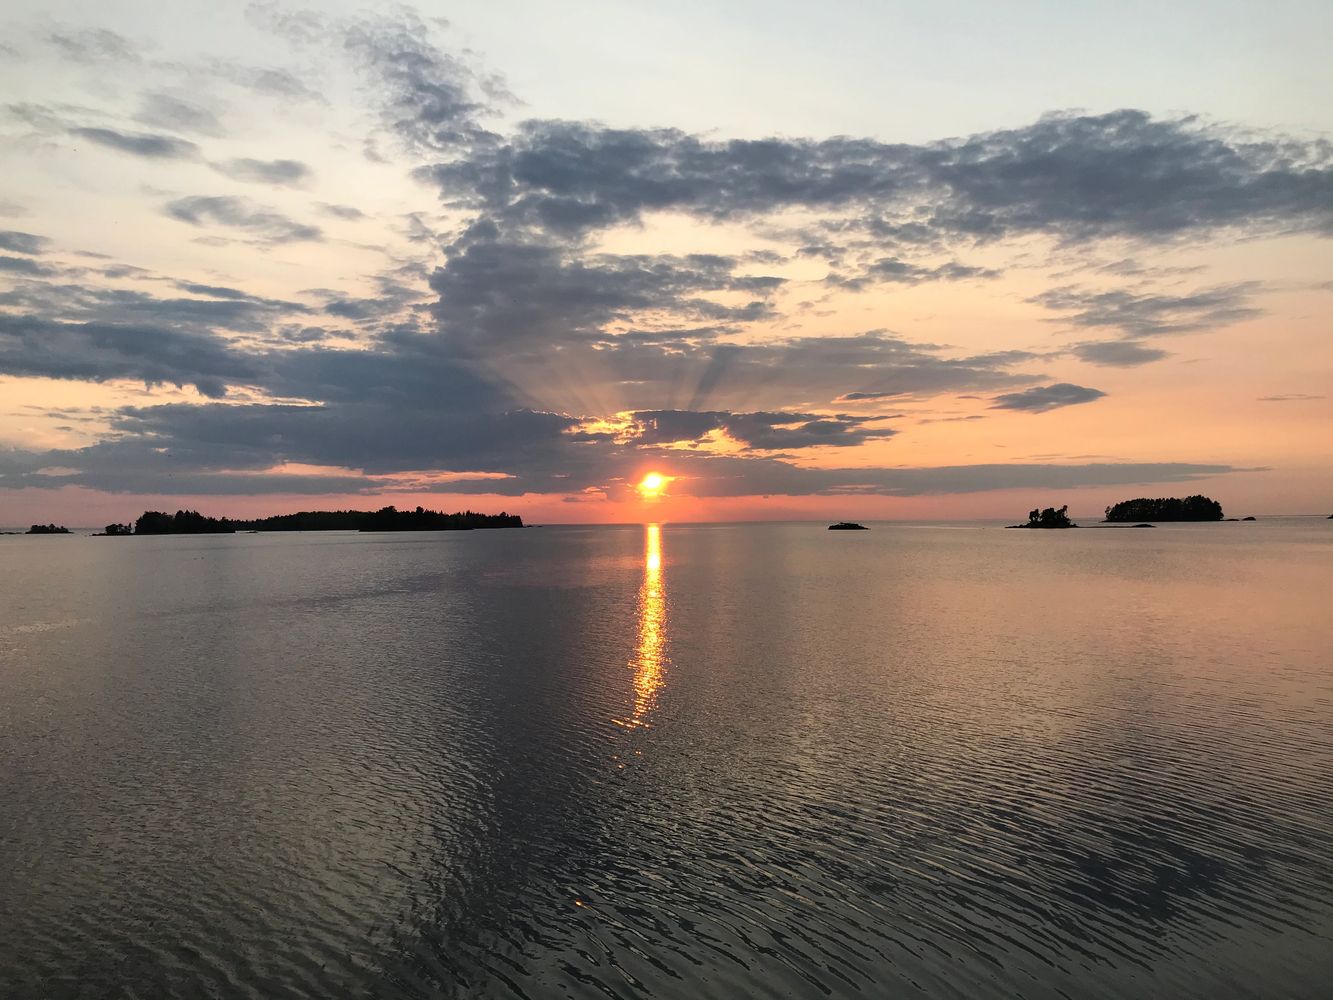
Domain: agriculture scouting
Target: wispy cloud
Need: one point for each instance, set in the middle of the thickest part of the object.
(1043, 398)
(148, 145)
(237, 213)
(276, 172)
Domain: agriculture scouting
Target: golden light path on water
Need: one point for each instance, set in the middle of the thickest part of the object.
(649, 656)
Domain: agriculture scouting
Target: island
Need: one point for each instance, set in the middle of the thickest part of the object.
(116, 531)
(191, 522)
(847, 526)
(1195, 508)
(1048, 518)
(48, 529)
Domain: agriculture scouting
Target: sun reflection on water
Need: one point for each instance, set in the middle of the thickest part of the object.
(649, 656)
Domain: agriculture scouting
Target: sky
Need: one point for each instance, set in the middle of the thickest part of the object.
(857, 259)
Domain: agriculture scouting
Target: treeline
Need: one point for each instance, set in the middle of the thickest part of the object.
(191, 522)
(1195, 508)
(48, 529)
(183, 522)
(392, 519)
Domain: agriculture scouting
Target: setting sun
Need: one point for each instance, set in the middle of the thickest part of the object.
(652, 485)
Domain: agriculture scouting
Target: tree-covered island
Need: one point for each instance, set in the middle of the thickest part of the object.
(191, 522)
(48, 529)
(1048, 518)
(1195, 508)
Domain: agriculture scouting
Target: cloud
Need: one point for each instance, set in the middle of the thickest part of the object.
(101, 351)
(1290, 397)
(281, 172)
(237, 213)
(895, 271)
(147, 145)
(715, 476)
(1153, 314)
(168, 112)
(1073, 177)
(348, 213)
(853, 397)
(760, 431)
(16, 242)
(217, 309)
(1042, 398)
(266, 81)
(1117, 353)
(431, 99)
(91, 45)
(22, 265)
(495, 290)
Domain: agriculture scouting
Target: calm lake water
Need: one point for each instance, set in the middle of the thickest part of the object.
(686, 761)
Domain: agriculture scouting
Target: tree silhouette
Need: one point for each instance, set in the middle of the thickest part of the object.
(1195, 508)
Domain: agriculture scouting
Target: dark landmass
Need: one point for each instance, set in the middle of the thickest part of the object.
(847, 526)
(1048, 518)
(48, 529)
(191, 522)
(115, 531)
(392, 519)
(1145, 525)
(183, 522)
(1195, 508)
(1250, 518)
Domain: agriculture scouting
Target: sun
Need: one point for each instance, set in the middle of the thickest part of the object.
(651, 486)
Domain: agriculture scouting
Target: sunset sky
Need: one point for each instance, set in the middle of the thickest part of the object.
(857, 259)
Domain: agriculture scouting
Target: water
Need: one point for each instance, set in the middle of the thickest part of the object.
(694, 761)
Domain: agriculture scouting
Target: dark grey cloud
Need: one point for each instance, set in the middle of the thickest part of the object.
(170, 112)
(22, 265)
(279, 172)
(214, 437)
(100, 351)
(215, 309)
(1153, 314)
(148, 145)
(237, 213)
(16, 242)
(1075, 177)
(1042, 398)
(495, 290)
(759, 431)
(1117, 353)
(431, 99)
